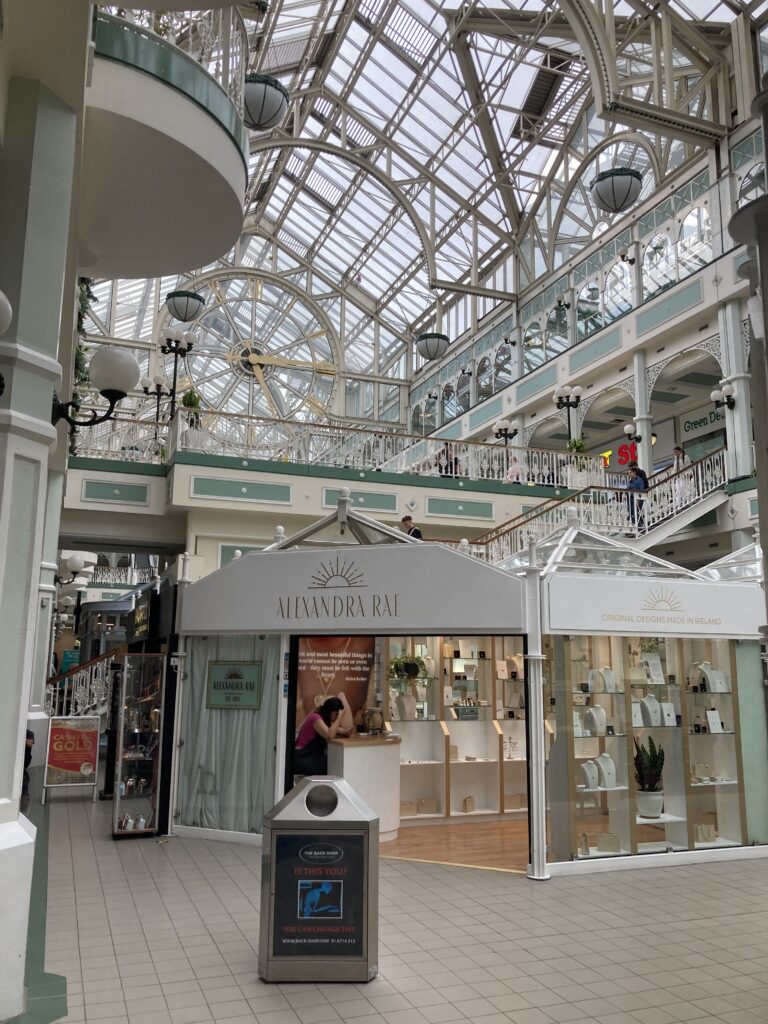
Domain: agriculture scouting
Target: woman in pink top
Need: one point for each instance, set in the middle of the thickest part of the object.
(310, 756)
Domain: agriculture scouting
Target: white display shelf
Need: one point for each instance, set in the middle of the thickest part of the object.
(718, 843)
(646, 683)
(661, 847)
(602, 789)
(477, 760)
(418, 764)
(722, 782)
(598, 693)
(477, 811)
(421, 817)
(605, 736)
(663, 819)
(646, 728)
(520, 760)
(701, 735)
(594, 852)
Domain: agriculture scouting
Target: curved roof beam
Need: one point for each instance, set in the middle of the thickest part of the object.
(590, 31)
(359, 159)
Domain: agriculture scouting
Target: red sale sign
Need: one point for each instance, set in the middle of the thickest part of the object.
(73, 752)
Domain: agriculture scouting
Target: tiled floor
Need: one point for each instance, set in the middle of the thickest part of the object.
(151, 932)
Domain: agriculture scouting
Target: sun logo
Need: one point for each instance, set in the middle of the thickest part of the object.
(662, 600)
(337, 575)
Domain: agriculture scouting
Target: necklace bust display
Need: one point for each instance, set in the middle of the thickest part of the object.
(651, 710)
(591, 774)
(607, 770)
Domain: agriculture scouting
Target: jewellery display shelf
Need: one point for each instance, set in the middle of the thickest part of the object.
(463, 750)
(137, 763)
(715, 793)
(616, 690)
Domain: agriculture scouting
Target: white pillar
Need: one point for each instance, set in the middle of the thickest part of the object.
(643, 419)
(537, 795)
(738, 421)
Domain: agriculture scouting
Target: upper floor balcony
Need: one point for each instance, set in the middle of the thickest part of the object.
(164, 161)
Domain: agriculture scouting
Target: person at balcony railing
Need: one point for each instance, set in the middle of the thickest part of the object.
(407, 527)
(684, 482)
(447, 464)
(516, 471)
(636, 487)
(640, 472)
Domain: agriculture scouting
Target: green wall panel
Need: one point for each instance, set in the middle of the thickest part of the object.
(451, 432)
(536, 383)
(374, 501)
(115, 492)
(240, 490)
(227, 551)
(460, 509)
(588, 351)
(675, 303)
(485, 412)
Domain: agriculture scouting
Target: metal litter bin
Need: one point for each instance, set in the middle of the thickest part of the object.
(319, 885)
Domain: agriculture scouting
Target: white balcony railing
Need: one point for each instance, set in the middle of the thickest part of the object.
(338, 447)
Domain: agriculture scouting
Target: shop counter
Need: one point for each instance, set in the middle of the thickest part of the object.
(371, 765)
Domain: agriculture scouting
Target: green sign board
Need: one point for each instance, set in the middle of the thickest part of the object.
(70, 658)
(234, 685)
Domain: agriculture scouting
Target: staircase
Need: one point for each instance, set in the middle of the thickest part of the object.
(673, 502)
(84, 690)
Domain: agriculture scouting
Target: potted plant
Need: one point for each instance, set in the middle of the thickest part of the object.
(410, 665)
(192, 401)
(649, 765)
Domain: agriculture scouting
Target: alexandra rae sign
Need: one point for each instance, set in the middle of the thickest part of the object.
(655, 607)
(338, 590)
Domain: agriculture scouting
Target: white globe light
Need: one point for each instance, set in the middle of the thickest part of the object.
(75, 563)
(716, 395)
(184, 306)
(729, 390)
(265, 101)
(629, 429)
(67, 602)
(432, 345)
(617, 189)
(114, 370)
(6, 313)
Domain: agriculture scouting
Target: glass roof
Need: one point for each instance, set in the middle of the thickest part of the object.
(744, 565)
(479, 118)
(574, 550)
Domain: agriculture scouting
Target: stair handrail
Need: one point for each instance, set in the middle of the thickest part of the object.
(83, 689)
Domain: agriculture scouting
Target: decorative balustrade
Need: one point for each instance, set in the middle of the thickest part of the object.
(106, 575)
(608, 510)
(83, 690)
(215, 39)
(339, 447)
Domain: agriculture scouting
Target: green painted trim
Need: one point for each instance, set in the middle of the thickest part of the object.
(588, 351)
(227, 551)
(124, 43)
(116, 466)
(231, 462)
(486, 411)
(221, 489)
(457, 509)
(675, 302)
(537, 382)
(452, 432)
(46, 993)
(371, 501)
(748, 483)
(114, 492)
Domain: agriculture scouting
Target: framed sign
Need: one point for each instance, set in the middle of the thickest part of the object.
(69, 659)
(72, 756)
(234, 685)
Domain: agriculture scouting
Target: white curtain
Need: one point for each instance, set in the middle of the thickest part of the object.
(227, 765)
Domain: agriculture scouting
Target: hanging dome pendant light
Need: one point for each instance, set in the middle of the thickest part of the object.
(616, 190)
(432, 345)
(265, 101)
(184, 306)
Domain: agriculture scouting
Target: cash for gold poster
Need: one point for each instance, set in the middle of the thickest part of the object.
(73, 752)
(331, 665)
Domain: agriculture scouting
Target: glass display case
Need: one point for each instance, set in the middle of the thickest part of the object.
(459, 704)
(137, 762)
(647, 751)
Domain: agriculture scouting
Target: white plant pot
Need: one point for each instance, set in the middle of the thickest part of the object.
(649, 805)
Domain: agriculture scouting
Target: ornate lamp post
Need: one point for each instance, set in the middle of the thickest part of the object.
(179, 345)
(567, 397)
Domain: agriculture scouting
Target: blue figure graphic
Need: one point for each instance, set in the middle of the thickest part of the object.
(313, 904)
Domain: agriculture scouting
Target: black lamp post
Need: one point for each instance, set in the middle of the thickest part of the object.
(723, 396)
(566, 397)
(179, 345)
(154, 386)
(506, 430)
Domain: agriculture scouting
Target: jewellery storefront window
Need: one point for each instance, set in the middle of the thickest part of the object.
(648, 753)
